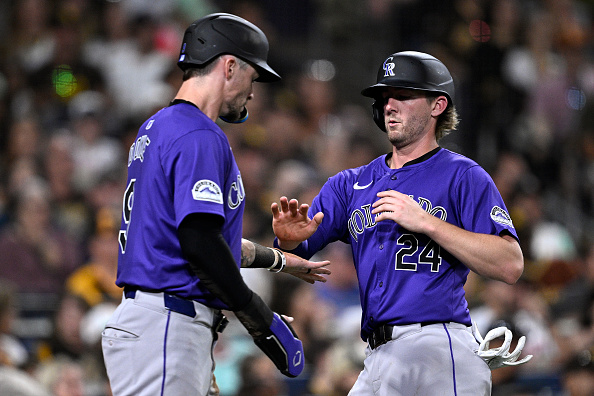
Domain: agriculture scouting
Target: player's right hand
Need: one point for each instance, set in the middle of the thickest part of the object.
(291, 224)
(308, 271)
(273, 335)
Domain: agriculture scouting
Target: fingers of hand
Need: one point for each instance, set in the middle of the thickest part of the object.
(284, 203)
(323, 263)
(313, 278)
(318, 218)
(303, 209)
(289, 319)
(293, 207)
(314, 270)
(390, 193)
(379, 202)
(382, 205)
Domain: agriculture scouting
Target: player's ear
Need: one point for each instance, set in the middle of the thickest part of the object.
(231, 65)
(440, 103)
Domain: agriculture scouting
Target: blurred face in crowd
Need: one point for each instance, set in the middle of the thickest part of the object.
(34, 216)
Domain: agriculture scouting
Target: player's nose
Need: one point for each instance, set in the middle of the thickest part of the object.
(390, 105)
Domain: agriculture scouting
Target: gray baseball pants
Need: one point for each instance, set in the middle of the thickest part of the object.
(152, 349)
(434, 360)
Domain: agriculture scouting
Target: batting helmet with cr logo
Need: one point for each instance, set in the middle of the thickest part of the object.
(413, 70)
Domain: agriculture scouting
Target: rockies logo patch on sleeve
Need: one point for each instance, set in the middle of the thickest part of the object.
(501, 216)
(207, 190)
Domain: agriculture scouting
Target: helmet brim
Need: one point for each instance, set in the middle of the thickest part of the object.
(375, 91)
(265, 73)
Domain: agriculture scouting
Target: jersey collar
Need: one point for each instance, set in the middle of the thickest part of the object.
(422, 158)
(177, 101)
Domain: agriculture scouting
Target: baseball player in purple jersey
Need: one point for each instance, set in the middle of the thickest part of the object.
(180, 240)
(418, 220)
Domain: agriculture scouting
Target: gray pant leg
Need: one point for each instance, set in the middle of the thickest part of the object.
(425, 361)
(149, 350)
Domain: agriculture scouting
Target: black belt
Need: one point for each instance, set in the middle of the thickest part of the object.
(184, 307)
(383, 334)
(380, 336)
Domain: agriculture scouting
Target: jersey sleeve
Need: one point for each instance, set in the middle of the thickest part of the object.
(481, 206)
(197, 169)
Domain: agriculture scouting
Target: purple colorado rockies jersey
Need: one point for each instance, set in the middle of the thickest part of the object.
(405, 277)
(180, 163)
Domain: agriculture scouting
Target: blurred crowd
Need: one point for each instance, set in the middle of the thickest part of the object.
(78, 77)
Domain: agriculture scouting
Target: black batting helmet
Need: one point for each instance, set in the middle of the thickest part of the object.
(221, 33)
(413, 70)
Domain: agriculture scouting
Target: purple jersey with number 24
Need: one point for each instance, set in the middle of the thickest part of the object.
(405, 277)
(180, 163)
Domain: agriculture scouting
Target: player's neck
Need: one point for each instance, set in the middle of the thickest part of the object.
(203, 93)
(401, 156)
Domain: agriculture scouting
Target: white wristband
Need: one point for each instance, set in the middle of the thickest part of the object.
(275, 259)
(283, 261)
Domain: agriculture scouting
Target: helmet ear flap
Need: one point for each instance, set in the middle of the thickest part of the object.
(378, 114)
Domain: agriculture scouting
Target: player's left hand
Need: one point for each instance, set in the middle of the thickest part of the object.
(308, 271)
(501, 356)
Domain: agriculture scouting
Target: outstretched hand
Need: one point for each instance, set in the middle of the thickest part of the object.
(308, 271)
(291, 224)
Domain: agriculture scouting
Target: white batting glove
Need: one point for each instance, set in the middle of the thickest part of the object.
(501, 356)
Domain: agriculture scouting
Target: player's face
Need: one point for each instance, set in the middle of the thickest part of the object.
(240, 91)
(407, 114)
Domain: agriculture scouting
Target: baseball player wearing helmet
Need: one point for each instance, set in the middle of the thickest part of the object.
(180, 238)
(418, 219)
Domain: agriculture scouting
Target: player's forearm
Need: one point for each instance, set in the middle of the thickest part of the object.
(491, 256)
(248, 253)
(254, 255)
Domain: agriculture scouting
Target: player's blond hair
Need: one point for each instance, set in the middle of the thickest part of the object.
(446, 122)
